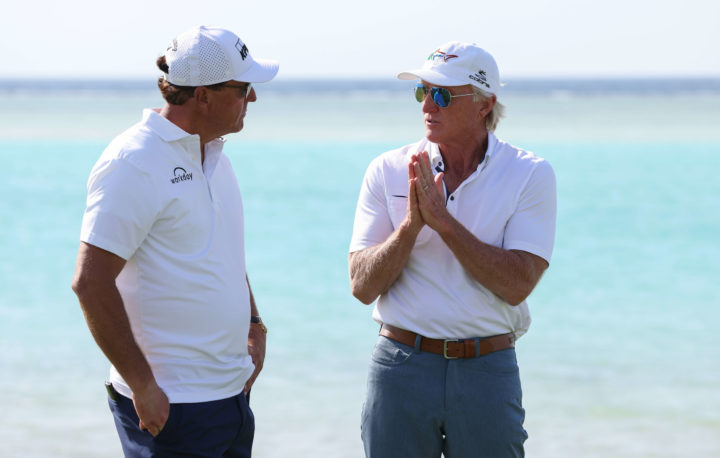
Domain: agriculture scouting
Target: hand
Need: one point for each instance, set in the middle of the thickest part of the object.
(152, 407)
(256, 349)
(428, 192)
(413, 217)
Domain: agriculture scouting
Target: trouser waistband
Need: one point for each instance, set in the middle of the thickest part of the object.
(451, 348)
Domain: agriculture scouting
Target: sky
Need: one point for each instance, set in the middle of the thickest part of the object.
(370, 39)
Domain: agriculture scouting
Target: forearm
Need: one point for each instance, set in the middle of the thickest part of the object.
(256, 341)
(256, 334)
(373, 270)
(102, 305)
(253, 306)
(106, 318)
(509, 274)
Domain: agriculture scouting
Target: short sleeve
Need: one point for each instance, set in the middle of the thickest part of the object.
(372, 219)
(121, 207)
(532, 227)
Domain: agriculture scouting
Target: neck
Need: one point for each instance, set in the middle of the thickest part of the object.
(185, 118)
(462, 158)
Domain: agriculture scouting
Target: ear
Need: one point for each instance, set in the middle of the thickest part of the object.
(200, 96)
(487, 106)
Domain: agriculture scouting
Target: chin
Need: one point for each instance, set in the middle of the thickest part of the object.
(432, 135)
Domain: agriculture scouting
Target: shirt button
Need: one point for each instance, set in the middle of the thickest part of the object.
(452, 197)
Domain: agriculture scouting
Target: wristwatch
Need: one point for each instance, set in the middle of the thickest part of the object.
(258, 321)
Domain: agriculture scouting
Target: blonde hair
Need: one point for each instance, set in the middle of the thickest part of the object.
(498, 111)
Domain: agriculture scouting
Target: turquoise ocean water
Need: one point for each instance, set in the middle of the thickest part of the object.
(622, 359)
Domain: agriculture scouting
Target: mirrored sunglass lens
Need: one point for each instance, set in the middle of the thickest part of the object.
(420, 92)
(441, 96)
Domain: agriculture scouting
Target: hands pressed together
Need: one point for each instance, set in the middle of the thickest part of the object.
(426, 201)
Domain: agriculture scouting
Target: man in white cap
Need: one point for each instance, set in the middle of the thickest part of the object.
(160, 272)
(452, 233)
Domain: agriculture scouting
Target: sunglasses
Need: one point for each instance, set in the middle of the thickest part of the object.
(243, 90)
(439, 95)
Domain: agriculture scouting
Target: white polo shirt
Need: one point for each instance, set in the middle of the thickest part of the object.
(508, 202)
(179, 225)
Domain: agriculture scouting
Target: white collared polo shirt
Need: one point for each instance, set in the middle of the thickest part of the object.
(508, 202)
(179, 224)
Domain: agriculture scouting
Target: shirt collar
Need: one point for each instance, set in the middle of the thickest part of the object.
(162, 126)
(436, 160)
(170, 132)
(492, 146)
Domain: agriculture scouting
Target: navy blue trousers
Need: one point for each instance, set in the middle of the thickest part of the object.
(222, 428)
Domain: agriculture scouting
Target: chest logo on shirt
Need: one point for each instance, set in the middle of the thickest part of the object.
(180, 174)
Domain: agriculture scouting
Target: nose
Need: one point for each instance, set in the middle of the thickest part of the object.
(252, 96)
(428, 106)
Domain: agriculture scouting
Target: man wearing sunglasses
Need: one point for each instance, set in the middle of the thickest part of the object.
(160, 272)
(451, 235)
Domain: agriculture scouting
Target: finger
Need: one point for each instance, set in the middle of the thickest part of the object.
(249, 383)
(414, 199)
(412, 195)
(425, 167)
(421, 194)
(412, 178)
(421, 180)
(159, 426)
(151, 429)
(425, 170)
(411, 171)
(439, 182)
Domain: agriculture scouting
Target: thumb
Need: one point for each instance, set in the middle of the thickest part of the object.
(439, 181)
(249, 383)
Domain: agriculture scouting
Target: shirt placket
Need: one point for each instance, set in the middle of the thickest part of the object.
(192, 148)
(453, 199)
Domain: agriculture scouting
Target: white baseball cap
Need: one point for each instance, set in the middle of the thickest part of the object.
(204, 55)
(457, 63)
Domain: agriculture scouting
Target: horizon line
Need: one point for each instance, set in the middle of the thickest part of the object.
(544, 85)
(647, 77)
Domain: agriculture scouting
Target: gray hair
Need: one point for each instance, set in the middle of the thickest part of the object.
(493, 118)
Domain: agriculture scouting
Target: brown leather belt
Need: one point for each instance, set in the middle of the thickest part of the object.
(451, 349)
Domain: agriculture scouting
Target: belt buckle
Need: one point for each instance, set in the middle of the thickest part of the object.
(445, 343)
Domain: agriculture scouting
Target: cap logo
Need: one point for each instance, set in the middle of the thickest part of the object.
(480, 77)
(173, 45)
(441, 55)
(242, 49)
